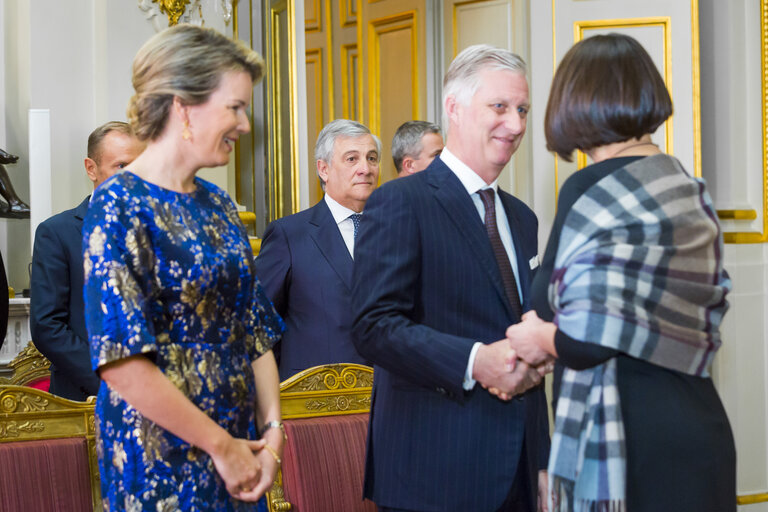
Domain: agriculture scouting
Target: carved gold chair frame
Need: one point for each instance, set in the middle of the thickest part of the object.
(329, 390)
(28, 414)
(28, 366)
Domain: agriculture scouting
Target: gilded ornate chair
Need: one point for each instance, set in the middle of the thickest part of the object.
(47, 452)
(29, 368)
(325, 411)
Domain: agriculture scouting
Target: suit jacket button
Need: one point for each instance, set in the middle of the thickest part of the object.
(441, 391)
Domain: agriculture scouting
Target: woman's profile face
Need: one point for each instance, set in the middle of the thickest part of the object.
(216, 124)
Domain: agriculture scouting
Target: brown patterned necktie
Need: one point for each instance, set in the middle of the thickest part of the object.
(502, 258)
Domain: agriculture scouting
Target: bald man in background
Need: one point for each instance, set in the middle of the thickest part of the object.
(57, 318)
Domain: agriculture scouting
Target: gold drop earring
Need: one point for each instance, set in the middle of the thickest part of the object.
(185, 133)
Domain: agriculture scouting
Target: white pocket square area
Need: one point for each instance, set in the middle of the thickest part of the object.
(534, 262)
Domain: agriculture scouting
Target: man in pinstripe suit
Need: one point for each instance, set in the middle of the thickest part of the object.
(444, 262)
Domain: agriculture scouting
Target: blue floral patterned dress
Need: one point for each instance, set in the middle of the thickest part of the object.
(170, 275)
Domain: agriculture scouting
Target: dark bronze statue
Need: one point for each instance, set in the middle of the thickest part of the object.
(16, 208)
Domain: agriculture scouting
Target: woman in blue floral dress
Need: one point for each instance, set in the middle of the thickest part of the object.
(181, 332)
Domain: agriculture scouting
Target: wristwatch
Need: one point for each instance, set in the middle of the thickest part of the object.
(273, 424)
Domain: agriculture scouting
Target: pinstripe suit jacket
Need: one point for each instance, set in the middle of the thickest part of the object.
(426, 287)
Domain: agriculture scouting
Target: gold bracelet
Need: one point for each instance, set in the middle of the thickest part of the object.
(273, 453)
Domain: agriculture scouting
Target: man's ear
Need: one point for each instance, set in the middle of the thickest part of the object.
(90, 169)
(451, 107)
(322, 170)
(408, 165)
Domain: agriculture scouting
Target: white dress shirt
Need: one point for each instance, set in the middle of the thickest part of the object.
(473, 183)
(346, 226)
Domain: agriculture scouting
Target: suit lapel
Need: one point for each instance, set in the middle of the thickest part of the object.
(326, 235)
(80, 212)
(453, 197)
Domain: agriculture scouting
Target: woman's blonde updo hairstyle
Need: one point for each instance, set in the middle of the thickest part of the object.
(185, 61)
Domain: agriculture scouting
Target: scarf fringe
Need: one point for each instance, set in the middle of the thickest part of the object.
(562, 500)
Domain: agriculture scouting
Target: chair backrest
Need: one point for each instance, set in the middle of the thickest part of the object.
(325, 412)
(47, 452)
(29, 368)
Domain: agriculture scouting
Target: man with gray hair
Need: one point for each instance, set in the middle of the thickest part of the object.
(57, 309)
(415, 145)
(306, 259)
(444, 265)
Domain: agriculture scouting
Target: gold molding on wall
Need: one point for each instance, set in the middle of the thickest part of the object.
(736, 214)
(455, 32)
(376, 27)
(753, 237)
(350, 89)
(749, 499)
(696, 86)
(315, 56)
(251, 117)
(277, 96)
(329, 52)
(347, 14)
(314, 24)
(656, 21)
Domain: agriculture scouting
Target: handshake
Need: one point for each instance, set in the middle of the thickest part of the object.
(517, 363)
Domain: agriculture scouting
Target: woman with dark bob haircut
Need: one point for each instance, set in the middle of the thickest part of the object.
(629, 299)
(181, 331)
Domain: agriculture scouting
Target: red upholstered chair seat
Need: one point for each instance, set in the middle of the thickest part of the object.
(43, 384)
(323, 464)
(46, 475)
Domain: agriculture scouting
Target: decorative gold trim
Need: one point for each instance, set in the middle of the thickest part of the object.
(350, 92)
(274, 122)
(455, 28)
(275, 497)
(28, 414)
(361, 114)
(174, 9)
(347, 17)
(28, 366)
(276, 97)
(327, 391)
(655, 21)
(294, 110)
(741, 237)
(376, 27)
(314, 24)
(749, 499)
(315, 56)
(329, 45)
(554, 70)
(696, 87)
(736, 214)
(238, 147)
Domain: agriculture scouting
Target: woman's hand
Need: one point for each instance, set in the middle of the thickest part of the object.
(533, 339)
(239, 467)
(268, 459)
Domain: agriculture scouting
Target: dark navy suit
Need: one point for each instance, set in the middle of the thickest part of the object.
(57, 318)
(306, 270)
(426, 288)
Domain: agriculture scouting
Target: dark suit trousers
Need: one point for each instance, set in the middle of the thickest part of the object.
(518, 499)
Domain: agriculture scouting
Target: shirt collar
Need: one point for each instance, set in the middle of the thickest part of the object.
(469, 178)
(338, 211)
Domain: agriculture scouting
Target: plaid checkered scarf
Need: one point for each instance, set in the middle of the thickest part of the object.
(638, 269)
